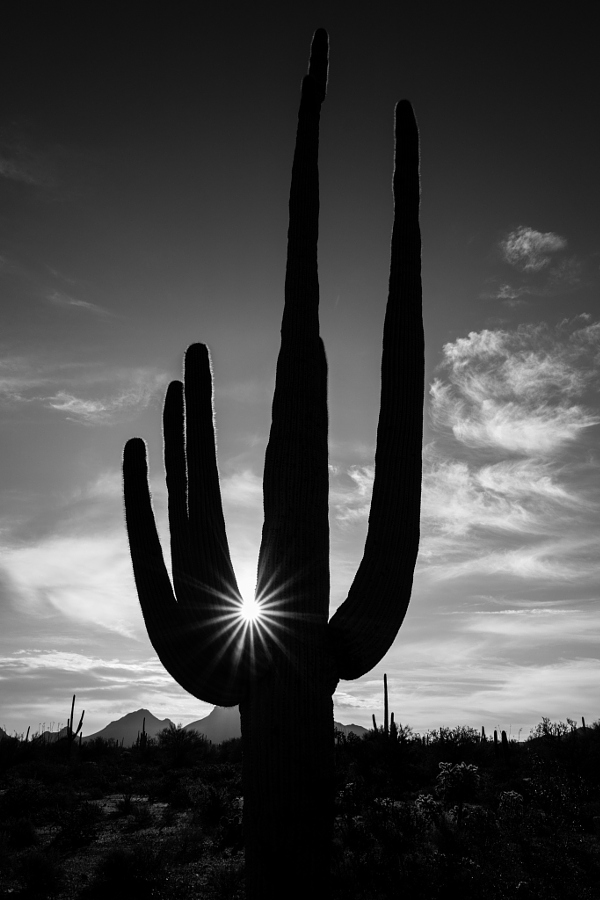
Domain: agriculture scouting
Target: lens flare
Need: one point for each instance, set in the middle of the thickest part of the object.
(250, 610)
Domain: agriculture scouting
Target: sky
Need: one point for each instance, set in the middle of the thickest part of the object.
(145, 164)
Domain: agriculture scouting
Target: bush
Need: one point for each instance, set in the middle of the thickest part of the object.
(79, 826)
(41, 874)
(20, 834)
(135, 872)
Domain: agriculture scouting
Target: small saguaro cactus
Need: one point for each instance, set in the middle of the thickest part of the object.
(73, 732)
(283, 667)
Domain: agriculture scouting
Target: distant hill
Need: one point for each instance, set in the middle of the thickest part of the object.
(48, 737)
(354, 729)
(128, 727)
(223, 724)
(220, 725)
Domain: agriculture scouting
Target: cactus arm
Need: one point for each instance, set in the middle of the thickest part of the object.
(364, 627)
(295, 538)
(193, 629)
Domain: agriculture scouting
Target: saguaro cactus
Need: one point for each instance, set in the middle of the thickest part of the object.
(283, 669)
(72, 732)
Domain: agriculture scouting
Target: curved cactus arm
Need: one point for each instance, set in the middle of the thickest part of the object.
(196, 631)
(295, 538)
(364, 627)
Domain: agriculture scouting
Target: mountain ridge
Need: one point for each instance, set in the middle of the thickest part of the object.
(221, 724)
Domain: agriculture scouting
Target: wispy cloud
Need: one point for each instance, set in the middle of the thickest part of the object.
(530, 250)
(350, 493)
(92, 394)
(540, 266)
(135, 395)
(242, 489)
(86, 578)
(506, 486)
(514, 390)
(58, 298)
(19, 164)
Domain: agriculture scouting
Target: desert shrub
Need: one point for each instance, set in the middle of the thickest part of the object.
(229, 751)
(9, 752)
(79, 826)
(20, 833)
(457, 783)
(179, 794)
(180, 748)
(19, 799)
(40, 873)
(141, 815)
(138, 872)
(211, 805)
(225, 877)
(189, 845)
(168, 817)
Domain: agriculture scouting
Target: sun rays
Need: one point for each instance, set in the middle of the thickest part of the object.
(251, 611)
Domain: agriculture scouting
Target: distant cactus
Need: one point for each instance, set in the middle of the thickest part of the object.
(73, 732)
(505, 749)
(283, 673)
(142, 738)
(386, 710)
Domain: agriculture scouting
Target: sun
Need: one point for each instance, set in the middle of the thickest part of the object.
(250, 610)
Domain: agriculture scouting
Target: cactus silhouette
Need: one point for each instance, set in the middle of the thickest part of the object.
(283, 668)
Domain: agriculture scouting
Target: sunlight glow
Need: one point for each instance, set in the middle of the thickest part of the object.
(252, 629)
(250, 610)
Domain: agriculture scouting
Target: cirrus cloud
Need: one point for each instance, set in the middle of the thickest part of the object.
(530, 250)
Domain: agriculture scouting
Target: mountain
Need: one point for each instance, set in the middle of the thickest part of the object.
(128, 727)
(48, 737)
(222, 724)
(354, 729)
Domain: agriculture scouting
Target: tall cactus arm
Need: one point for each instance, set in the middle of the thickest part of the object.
(195, 629)
(365, 625)
(294, 557)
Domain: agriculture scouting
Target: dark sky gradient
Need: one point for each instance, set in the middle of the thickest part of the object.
(144, 175)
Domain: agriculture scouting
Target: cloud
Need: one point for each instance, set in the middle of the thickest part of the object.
(26, 167)
(539, 624)
(22, 380)
(513, 496)
(561, 559)
(136, 395)
(58, 298)
(530, 250)
(508, 484)
(542, 267)
(242, 489)
(351, 501)
(86, 578)
(514, 391)
(346, 700)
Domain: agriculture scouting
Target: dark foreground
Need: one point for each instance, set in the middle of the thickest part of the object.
(414, 817)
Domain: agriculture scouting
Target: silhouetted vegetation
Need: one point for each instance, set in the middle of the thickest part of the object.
(450, 810)
(288, 810)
